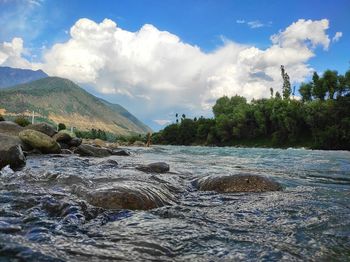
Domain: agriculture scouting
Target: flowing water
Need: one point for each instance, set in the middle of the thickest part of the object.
(49, 211)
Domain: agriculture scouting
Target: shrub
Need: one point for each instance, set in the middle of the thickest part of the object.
(22, 121)
(2, 118)
(61, 126)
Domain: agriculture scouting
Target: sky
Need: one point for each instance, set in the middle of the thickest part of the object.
(160, 57)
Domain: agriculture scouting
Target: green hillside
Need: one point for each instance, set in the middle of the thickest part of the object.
(61, 101)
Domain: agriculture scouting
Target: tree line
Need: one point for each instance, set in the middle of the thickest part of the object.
(319, 120)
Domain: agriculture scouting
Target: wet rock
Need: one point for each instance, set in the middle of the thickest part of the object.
(11, 152)
(66, 152)
(109, 163)
(135, 197)
(40, 141)
(121, 152)
(238, 183)
(42, 128)
(75, 142)
(63, 145)
(10, 128)
(89, 150)
(159, 167)
(62, 137)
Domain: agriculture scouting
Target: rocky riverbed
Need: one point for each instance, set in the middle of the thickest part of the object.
(101, 203)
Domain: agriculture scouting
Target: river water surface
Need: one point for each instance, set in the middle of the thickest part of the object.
(48, 211)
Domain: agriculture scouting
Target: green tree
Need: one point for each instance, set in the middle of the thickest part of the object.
(286, 88)
(305, 91)
(330, 82)
(2, 118)
(318, 88)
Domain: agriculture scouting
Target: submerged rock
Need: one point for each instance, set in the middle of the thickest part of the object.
(42, 128)
(89, 150)
(10, 128)
(238, 183)
(11, 152)
(159, 167)
(121, 152)
(40, 141)
(136, 197)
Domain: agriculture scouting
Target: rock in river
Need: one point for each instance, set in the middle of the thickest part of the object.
(121, 152)
(43, 128)
(40, 141)
(89, 150)
(10, 128)
(11, 152)
(134, 197)
(159, 167)
(238, 183)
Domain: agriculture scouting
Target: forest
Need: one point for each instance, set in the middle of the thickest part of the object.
(319, 119)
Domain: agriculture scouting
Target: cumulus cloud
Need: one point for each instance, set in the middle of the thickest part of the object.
(11, 54)
(337, 36)
(159, 73)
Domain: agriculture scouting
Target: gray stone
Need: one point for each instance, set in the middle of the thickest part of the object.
(121, 152)
(89, 150)
(10, 128)
(11, 152)
(159, 167)
(238, 183)
(43, 128)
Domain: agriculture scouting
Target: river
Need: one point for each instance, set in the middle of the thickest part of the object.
(47, 210)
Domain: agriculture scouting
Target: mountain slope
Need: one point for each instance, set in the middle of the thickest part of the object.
(62, 101)
(14, 76)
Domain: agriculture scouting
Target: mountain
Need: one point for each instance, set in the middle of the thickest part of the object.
(14, 76)
(62, 101)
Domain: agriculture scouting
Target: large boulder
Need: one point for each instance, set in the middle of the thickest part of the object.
(238, 183)
(43, 128)
(127, 196)
(40, 141)
(89, 150)
(159, 167)
(10, 128)
(11, 152)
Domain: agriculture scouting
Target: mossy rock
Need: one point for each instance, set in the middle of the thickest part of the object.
(40, 141)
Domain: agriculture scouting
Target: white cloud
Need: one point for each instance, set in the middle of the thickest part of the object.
(162, 122)
(157, 73)
(11, 54)
(337, 36)
(303, 31)
(253, 24)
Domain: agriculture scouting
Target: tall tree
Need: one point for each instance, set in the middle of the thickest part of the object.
(318, 88)
(286, 88)
(330, 82)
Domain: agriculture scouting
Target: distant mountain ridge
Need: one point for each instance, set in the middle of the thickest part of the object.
(61, 101)
(14, 76)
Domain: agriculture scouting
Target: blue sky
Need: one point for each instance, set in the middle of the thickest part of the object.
(207, 24)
